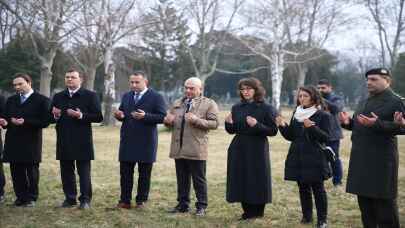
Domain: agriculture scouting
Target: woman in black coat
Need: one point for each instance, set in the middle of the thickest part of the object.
(249, 176)
(305, 163)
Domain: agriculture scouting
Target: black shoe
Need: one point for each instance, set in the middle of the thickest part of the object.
(29, 204)
(19, 203)
(200, 212)
(179, 209)
(306, 220)
(68, 204)
(84, 206)
(322, 225)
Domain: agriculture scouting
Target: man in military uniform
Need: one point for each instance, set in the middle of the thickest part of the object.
(373, 166)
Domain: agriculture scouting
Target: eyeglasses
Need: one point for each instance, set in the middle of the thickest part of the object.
(245, 89)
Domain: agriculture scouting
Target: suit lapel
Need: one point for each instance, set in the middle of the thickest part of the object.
(143, 98)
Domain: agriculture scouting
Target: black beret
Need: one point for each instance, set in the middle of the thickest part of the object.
(379, 71)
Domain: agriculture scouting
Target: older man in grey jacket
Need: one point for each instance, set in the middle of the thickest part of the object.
(191, 118)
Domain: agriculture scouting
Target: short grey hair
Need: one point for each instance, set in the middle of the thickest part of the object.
(195, 81)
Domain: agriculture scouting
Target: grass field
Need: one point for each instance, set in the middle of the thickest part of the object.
(283, 212)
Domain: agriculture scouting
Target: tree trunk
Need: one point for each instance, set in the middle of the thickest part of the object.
(277, 78)
(302, 72)
(109, 87)
(91, 75)
(46, 78)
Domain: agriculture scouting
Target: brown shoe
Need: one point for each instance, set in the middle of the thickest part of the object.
(124, 205)
(140, 205)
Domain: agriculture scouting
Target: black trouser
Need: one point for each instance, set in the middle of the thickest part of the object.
(127, 181)
(381, 213)
(25, 178)
(185, 170)
(67, 172)
(321, 200)
(2, 179)
(252, 210)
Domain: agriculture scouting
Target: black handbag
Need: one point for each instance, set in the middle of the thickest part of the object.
(327, 151)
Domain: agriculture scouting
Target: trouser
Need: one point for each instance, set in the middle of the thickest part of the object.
(25, 178)
(252, 210)
(127, 181)
(381, 213)
(67, 172)
(337, 168)
(185, 170)
(321, 200)
(2, 179)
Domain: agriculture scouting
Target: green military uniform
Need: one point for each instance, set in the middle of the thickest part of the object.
(373, 166)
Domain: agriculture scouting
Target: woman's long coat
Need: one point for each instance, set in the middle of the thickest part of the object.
(24, 143)
(249, 173)
(305, 162)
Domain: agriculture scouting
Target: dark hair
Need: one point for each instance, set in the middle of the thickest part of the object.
(71, 70)
(24, 76)
(255, 84)
(316, 97)
(324, 82)
(140, 73)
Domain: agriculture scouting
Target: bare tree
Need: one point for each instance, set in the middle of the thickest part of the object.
(389, 19)
(47, 23)
(8, 25)
(212, 20)
(293, 32)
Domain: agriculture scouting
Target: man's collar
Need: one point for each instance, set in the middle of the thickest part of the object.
(142, 92)
(73, 91)
(28, 94)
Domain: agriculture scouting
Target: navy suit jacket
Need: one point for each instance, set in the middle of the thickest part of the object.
(139, 138)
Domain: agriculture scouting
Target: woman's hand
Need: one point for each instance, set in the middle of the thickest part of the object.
(308, 123)
(280, 122)
(228, 118)
(251, 121)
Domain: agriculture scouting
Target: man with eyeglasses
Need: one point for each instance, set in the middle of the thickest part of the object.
(191, 118)
(334, 105)
(373, 166)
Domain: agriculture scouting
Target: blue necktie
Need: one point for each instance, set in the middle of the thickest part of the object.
(136, 97)
(22, 98)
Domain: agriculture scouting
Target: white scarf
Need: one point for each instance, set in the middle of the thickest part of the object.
(304, 113)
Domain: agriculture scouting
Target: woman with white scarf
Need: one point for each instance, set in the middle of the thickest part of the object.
(305, 163)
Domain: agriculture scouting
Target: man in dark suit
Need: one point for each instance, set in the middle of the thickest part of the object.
(140, 111)
(26, 113)
(74, 109)
(2, 122)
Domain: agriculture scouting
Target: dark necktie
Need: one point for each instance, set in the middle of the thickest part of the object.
(183, 120)
(136, 97)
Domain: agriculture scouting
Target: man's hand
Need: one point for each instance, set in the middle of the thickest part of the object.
(308, 123)
(169, 119)
(118, 114)
(228, 118)
(56, 112)
(344, 118)
(74, 113)
(190, 117)
(367, 121)
(251, 121)
(138, 114)
(399, 118)
(17, 121)
(3, 122)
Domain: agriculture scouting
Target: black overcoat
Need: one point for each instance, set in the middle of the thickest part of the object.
(248, 171)
(75, 136)
(2, 107)
(139, 138)
(373, 166)
(24, 143)
(305, 162)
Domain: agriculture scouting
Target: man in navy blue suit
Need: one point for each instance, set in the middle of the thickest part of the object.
(140, 111)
